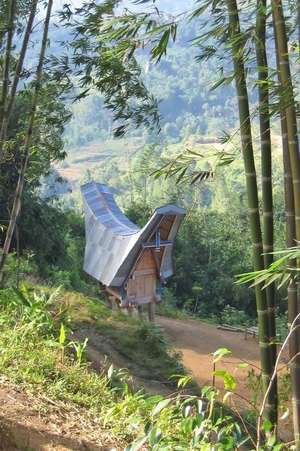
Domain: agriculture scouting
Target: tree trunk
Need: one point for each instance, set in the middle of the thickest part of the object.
(253, 204)
(9, 104)
(266, 172)
(287, 102)
(20, 185)
(7, 57)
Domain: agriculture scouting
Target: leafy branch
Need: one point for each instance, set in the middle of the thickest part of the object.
(184, 167)
(280, 271)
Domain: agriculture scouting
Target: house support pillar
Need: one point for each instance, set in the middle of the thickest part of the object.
(140, 311)
(151, 311)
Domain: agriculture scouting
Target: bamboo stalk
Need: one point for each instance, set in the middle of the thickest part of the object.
(298, 26)
(293, 329)
(252, 195)
(290, 241)
(21, 180)
(266, 172)
(9, 104)
(292, 189)
(7, 57)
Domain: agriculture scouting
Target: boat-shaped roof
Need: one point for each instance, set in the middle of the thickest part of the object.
(113, 242)
(102, 205)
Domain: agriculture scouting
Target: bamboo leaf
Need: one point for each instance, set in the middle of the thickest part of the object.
(160, 406)
(284, 280)
(137, 444)
(220, 353)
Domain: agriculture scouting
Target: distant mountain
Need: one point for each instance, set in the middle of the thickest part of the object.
(182, 86)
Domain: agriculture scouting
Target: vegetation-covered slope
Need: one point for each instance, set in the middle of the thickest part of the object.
(46, 366)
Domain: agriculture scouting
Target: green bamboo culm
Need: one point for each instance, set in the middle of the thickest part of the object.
(266, 172)
(298, 23)
(288, 111)
(237, 48)
(7, 56)
(9, 104)
(290, 242)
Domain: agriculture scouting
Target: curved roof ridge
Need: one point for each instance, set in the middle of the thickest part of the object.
(102, 205)
(122, 218)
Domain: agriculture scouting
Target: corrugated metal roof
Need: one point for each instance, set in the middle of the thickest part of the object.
(100, 200)
(113, 242)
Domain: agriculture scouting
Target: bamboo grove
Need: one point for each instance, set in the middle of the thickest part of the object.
(269, 30)
(290, 148)
(259, 38)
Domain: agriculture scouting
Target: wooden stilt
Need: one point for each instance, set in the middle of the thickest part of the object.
(140, 311)
(111, 302)
(151, 311)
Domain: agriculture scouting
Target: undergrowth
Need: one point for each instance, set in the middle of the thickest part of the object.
(35, 354)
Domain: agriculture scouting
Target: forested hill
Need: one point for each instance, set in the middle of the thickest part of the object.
(186, 102)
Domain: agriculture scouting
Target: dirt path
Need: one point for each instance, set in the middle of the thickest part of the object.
(196, 341)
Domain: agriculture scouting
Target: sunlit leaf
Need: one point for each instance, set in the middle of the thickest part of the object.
(161, 405)
(62, 334)
(220, 353)
(154, 436)
(137, 444)
(285, 415)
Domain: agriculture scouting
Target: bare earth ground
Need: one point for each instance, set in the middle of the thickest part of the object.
(36, 423)
(197, 341)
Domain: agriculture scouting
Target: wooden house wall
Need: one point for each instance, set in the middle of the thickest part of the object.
(141, 285)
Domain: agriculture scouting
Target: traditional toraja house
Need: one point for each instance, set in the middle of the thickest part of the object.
(132, 264)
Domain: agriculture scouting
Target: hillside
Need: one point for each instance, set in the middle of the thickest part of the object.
(56, 399)
(183, 88)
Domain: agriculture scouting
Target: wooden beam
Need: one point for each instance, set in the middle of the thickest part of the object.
(113, 292)
(152, 244)
(157, 264)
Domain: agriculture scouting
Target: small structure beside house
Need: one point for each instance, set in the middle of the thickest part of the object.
(132, 264)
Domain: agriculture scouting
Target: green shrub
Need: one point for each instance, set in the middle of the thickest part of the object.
(282, 326)
(234, 317)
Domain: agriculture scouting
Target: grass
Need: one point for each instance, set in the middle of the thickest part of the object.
(135, 341)
(36, 356)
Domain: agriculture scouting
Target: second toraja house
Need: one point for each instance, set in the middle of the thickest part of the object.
(131, 263)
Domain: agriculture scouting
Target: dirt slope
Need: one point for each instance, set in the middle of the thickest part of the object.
(33, 422)
(40, 424)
